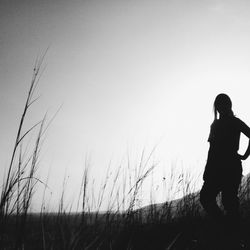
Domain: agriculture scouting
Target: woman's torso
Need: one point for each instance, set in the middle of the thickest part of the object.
(224, 140)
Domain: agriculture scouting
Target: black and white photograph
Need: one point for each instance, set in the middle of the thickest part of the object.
(125, 124)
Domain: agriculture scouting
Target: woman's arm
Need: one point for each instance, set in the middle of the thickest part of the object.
(247, 153)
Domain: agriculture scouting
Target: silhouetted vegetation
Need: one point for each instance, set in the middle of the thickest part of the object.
(175, 224)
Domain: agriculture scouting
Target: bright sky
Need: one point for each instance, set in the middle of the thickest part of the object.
(128, 73)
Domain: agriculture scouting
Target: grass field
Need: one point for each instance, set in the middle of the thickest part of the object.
(176, 224)
(181, 225)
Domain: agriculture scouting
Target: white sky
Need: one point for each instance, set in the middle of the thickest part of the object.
(129, 74)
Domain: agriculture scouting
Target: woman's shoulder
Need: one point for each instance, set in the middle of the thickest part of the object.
(237, 120)
(234, 121)
(239, 123)
(214, 124)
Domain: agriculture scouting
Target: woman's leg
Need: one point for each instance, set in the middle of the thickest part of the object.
(230, 202)
(230, 190)
(208, 195)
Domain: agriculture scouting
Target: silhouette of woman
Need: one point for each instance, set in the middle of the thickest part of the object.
(223, 169)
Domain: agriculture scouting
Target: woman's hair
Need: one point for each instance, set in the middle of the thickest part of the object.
(223, 105)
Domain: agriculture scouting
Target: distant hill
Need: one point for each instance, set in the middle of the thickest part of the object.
(189, 204)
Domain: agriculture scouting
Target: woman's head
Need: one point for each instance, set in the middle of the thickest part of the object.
(223, 105)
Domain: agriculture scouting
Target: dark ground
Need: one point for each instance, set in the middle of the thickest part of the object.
(183, 234)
